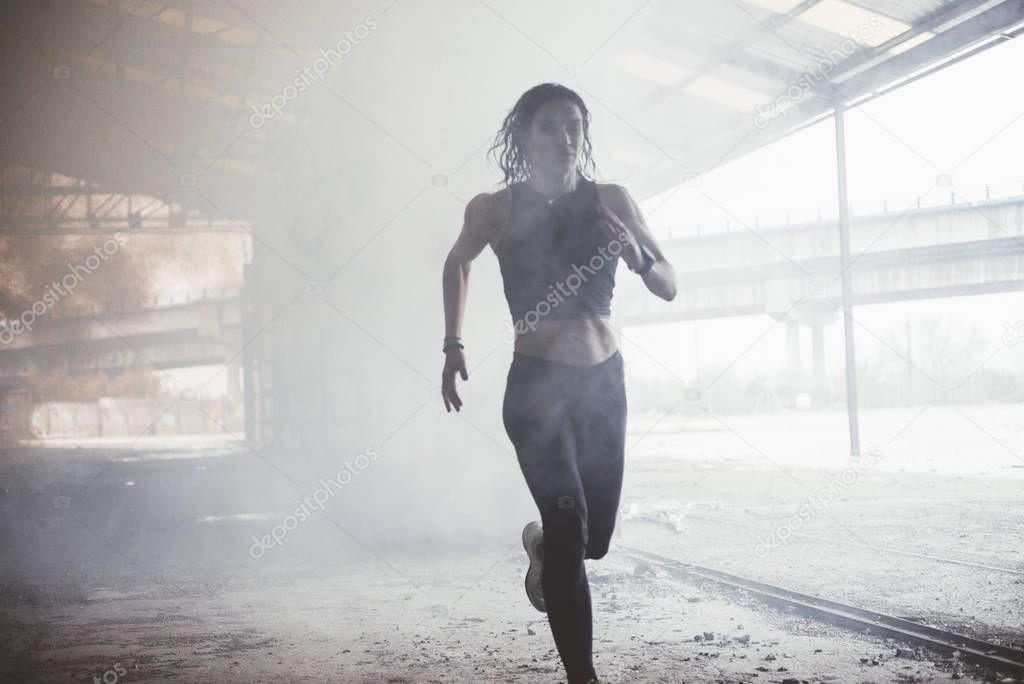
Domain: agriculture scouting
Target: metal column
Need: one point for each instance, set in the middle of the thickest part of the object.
(844, 264)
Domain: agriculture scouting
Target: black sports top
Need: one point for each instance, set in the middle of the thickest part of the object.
(556, 261)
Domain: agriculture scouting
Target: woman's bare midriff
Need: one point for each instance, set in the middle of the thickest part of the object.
(578, 341)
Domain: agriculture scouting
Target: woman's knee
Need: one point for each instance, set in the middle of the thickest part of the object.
(597, 546)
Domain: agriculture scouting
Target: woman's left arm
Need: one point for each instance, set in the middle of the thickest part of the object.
(622, 220)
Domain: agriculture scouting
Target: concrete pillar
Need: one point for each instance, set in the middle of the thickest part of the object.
(820, 395)
(793, 365)
(233, 381)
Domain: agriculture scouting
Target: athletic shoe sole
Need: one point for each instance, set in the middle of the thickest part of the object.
(533, 540)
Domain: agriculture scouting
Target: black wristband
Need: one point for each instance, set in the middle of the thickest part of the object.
(451, 343)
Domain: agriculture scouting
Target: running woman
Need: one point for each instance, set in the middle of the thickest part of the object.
(558, 236)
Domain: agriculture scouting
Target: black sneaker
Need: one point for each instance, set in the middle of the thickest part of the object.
(533, 542)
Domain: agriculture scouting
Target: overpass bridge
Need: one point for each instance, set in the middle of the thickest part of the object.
(161, 334)
(789, 272)
(793, 271)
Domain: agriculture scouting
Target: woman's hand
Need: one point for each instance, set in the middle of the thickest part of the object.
(618, 231)
(454, 361)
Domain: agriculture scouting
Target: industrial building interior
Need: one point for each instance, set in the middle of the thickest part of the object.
(223, 231)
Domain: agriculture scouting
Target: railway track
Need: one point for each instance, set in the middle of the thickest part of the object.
(998, 658)
(843, 542)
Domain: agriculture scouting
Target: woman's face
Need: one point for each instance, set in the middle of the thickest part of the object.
(555, 137)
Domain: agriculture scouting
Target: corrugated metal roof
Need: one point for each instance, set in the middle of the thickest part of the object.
(820, 51)
(679, 86)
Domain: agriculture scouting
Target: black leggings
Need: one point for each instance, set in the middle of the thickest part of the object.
(568, 426)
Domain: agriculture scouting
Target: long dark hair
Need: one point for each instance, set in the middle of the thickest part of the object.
(511, 139)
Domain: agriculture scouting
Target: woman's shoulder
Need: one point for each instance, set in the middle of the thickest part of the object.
(492, 210)
(612, 195)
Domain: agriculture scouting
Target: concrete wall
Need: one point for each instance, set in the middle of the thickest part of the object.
(122, 417)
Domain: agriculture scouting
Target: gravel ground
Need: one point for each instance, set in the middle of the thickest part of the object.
(132, 566)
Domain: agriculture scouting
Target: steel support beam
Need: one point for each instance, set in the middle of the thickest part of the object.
(847, 295)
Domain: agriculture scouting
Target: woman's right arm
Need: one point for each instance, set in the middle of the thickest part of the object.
(455, 283)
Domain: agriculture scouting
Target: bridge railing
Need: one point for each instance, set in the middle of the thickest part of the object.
(152, 303)
(795, 217)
